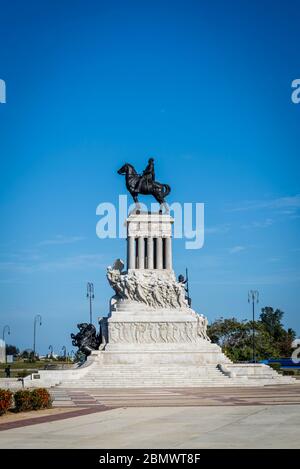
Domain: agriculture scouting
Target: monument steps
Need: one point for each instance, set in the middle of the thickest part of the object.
(137, 376)
(155, 376)
(142, 375)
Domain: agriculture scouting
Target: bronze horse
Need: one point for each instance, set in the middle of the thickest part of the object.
(158, 190)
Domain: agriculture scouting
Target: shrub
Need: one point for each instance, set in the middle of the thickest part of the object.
(34, 399)
(275, 366)
(289, 372)
(41, 399)
(23, 400)
(5, 400)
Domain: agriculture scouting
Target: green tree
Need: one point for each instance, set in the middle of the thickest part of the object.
(272, 321)
(236, 337)
(282, 339)
(233, 336)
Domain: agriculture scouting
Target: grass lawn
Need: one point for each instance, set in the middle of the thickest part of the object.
(18, 368)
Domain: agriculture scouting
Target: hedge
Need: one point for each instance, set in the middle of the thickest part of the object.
(5, 400)
(33, 399)
(25, 399)
(41, 399)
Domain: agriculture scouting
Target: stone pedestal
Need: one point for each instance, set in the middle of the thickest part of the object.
(149, 237)
(149, 311)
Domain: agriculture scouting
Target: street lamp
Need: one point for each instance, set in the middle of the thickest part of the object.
(37, 319)
(90, 295)
(5, 329)
(51, 351)
(253, 297)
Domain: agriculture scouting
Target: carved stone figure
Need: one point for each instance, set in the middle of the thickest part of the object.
(202, 324)
(176, 333)
(86, 339)
(163, 331)
(140, 330)
(113, 333)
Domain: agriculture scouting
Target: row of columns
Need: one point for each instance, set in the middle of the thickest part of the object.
(159, 253)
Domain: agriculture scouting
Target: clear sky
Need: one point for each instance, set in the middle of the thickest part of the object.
(205, 88)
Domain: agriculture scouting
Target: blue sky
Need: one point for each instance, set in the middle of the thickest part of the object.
(205, 88)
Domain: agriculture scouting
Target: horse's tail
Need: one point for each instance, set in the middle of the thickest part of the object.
(167, 189)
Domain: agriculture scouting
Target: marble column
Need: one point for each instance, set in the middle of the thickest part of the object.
(150, 253)
(168, 253)
(141, 253)
(159, 253)
(130, 252)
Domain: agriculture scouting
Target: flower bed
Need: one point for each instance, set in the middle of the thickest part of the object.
(25, 399)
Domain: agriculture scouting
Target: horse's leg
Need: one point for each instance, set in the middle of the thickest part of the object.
(157, 193)
(161, 202)
(136, 200)
(165, 204)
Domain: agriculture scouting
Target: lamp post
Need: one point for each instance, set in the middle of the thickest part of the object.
(37, 319)
(253, 297)
(51, 351)
(90, 295)
(5, 329)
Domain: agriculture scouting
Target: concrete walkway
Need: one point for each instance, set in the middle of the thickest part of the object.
(176, 397)
(254, 426)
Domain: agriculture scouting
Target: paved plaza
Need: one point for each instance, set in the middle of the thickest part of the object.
(163, 418)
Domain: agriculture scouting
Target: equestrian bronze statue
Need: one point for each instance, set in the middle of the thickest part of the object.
(145, 183)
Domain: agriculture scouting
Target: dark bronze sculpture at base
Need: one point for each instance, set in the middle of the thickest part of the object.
(86, 339)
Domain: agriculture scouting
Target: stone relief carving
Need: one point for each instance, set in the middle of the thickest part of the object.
(158, 332)
(151, 288)
(202, 324)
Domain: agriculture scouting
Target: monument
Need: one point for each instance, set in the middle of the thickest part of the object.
(151, 336)
(2, 351)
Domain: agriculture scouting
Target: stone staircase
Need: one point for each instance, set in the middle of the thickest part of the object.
(96, 374)
(138, 376)
(254, 374)
(160, 369)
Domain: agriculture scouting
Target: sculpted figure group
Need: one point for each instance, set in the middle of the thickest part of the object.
(148, 288)
(156, 290)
